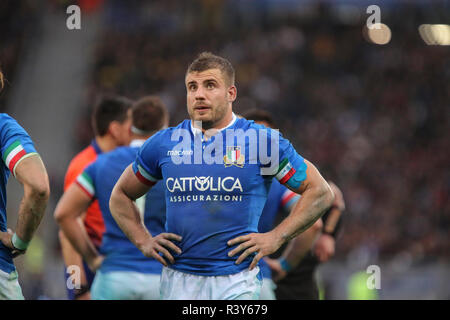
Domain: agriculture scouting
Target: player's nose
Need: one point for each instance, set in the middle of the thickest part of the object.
(200, 94)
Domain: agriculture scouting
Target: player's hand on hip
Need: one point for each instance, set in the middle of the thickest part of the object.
(261, 243)
(95, 263)
(162, 243)
(324, 247)
(6, 239)
(278, 271)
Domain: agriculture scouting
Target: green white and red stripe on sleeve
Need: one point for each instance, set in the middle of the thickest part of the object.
(13, 154)
(288, 199)
(285, 171)
(143, 175)
(85, 182)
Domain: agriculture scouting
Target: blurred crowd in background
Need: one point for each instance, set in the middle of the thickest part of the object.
(374, 119)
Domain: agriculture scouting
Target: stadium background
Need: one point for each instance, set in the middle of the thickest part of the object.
(373, 118)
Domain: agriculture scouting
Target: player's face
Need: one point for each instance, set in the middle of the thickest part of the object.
(209, 97)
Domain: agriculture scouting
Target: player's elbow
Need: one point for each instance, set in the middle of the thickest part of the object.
(61, 213)
(113, 200)
(38, 190)
(326, 195)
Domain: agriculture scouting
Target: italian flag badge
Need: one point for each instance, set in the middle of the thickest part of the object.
(285, 171)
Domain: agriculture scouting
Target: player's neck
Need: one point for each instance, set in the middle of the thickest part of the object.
(225, 122)
(219, 125)
(106, 143)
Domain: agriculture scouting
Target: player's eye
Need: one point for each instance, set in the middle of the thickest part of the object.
(210, 85)
(192, 87)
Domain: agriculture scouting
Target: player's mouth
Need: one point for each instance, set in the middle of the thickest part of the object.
(202, 108)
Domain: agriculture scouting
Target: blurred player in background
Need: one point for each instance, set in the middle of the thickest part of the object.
(213, 229)
(24, 163)
(111, 123)
(279, 198)
(125, 273)
(295, 271)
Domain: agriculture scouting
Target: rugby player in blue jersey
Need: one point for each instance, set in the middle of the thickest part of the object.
(123, 272)
(22, 161)
(216, 187)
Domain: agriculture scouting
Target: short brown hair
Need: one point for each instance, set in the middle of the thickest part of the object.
(149, 114)
(259, 115)
(207, 60)
(109, 108)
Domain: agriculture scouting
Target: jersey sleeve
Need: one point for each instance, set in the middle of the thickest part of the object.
(292, 167)
(16, 144)
(146, 167)
(86, 180)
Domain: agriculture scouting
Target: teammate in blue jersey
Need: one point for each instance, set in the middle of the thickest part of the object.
(123, 271)
(279, 199)
(22, 161)
(217, 171)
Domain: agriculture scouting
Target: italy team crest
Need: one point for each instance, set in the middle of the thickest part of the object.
(234, 157)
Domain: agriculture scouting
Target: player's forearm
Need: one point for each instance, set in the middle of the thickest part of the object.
(332, 221)
(77, 236)
(315, 201)
(31, 210)
(70, 256)
(127, 216)
(300, 245)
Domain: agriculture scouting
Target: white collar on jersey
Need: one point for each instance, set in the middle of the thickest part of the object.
(197, 131)
(137, 143)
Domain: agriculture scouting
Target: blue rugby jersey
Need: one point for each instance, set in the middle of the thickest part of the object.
(279, 198)
(208, 203)
(16, 145)
(98, 181)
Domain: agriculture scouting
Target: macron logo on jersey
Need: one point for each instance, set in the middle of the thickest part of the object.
(179, 153)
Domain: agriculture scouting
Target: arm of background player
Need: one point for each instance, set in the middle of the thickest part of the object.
(31, 173)
(295, 251)
(68, 214)
(317, 197)
(123, 209)
(70, 256)
(325, 246)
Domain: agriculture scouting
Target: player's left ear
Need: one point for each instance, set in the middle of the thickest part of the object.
(232, 93)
